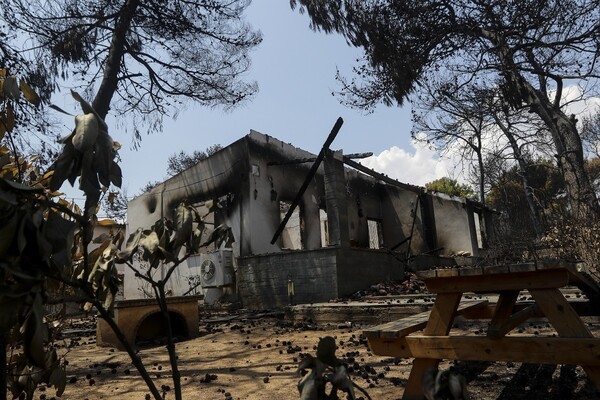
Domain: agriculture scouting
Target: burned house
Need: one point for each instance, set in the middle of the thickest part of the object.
(350, 228)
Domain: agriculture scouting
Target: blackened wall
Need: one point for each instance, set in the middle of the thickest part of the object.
(359, 268)
(262, 280)
(318, 275)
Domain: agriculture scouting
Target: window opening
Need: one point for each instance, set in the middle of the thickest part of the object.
(324, 228)
(375, 234)
(291, 236)
(478, 229)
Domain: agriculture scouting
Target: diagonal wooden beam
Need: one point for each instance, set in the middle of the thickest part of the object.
(504, 309)
(513, 321)
(309, 177)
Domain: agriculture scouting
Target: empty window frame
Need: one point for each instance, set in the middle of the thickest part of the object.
(324, 228)
(375, 233)
(479, 226)
(291, 236)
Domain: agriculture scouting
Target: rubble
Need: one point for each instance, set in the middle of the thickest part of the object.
(410, 285)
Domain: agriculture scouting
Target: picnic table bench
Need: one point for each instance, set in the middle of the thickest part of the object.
(427, 336)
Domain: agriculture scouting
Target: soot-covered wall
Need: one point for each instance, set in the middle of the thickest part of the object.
(338, 213)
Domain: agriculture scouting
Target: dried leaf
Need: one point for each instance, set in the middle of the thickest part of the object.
(183, 226)
(326, 351)
(116, 176)
(7, 121)
(47, 175)
(34, 334)
(88, 180)
(101, 238)
(24, 376)
(2, 125)
(212, 205)
(108, 256)
(91, 205)
(21, 186)
(150, 242)
(58, 379)
(10, 118)
(221, 237)
(8, 317)
(109, 299)
(102, 269)
(57, 108)
(10, 88)
(97, 252)
(132, 243)
(199, 227)
(87, 109)
(60, 233)
(30, 95)
(75, 208)
(87, 307)
(8, 227)
(86, 132)
(105, 154)
(63, 167)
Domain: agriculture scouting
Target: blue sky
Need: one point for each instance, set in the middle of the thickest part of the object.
(295, 69)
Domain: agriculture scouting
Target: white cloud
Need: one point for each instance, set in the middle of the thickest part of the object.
(578, 103)
(418, 167)
(421, 164)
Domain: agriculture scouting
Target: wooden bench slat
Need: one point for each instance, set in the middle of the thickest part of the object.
(414, 323)
(522, 267)
(585, 352)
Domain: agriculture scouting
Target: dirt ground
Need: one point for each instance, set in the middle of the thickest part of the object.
(257, 358)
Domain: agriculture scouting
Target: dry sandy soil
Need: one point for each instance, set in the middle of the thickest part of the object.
(257, 358)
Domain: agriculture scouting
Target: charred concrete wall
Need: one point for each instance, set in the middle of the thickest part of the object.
(258, 175)
(263, 279)
(396, 209)
(271, 182)
(223, 175)
(359, 268)
(318, 275)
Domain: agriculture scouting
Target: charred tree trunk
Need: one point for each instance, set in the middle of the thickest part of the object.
(582, 196)
(523, 168)
(112, 65)
(567, 142)
(482, 174)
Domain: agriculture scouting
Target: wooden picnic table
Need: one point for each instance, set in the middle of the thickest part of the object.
(427, 336)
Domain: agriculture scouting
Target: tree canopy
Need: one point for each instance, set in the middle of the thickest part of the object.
(179, 162)
(141, 59)
(529, 49)
(451, 187)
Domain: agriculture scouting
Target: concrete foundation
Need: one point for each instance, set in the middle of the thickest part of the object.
(318, 275)
(141, 319)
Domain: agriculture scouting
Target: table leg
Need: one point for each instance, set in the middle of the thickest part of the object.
(504, 309)
(560, 313)
(439, 324)
(565, 320)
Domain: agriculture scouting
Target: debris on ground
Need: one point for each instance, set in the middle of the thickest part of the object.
(410, 285)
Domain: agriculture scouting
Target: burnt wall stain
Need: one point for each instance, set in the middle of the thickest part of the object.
(151, 203)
